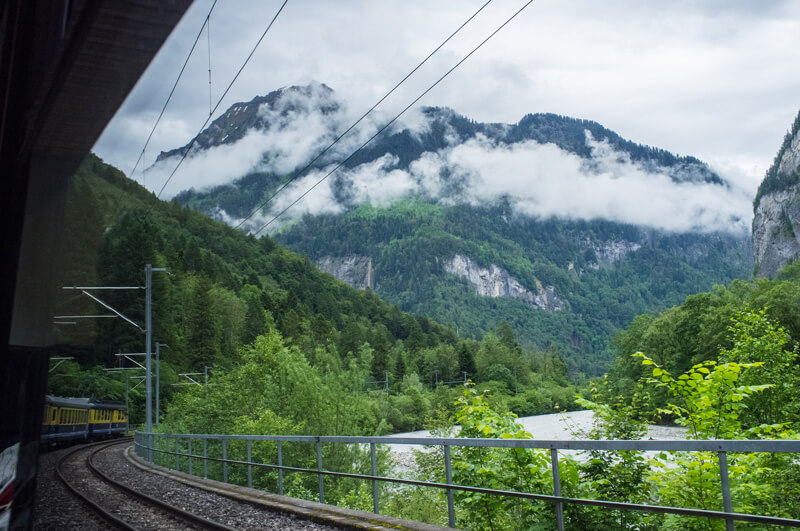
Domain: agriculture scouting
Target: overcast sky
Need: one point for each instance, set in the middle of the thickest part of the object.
(717, 79)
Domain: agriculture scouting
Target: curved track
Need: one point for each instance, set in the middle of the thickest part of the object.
(123, 507)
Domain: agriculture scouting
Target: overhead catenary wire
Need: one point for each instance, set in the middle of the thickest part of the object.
(297, 174)
(382, 129)
(225, 93)
(175, 85)
(208, 35)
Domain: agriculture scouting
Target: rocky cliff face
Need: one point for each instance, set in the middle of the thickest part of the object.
(776, 224)
(496, 282)
(354, 270)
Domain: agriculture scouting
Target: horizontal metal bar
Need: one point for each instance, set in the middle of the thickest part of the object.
(743, 517)
(103, 287)
(83, 316)
(743, 446)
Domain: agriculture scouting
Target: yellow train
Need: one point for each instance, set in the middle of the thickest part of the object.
(80, 419)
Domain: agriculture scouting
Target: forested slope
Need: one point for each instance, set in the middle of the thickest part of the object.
(223, 289)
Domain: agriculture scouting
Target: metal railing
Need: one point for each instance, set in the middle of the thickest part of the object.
(150, 444)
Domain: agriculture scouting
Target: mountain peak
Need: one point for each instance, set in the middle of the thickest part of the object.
(242, 117)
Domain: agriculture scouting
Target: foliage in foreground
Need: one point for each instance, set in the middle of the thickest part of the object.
(714, 400)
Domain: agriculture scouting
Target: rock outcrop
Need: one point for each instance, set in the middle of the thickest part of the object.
(610, 252)
(776, 223)
(496, 282)
(354, 270)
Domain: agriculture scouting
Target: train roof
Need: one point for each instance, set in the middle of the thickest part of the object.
(83, 403)
(60, 401)
(107, 404)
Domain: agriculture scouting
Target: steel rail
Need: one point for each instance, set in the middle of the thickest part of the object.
(194, 518)
(113, 520)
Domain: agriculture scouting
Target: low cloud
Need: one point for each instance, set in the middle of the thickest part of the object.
(296, 131)
(539, 180)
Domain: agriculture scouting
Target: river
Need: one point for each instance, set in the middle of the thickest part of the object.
(556, 426)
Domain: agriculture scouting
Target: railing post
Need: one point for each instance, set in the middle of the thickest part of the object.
(319, 470)
(249, 465)
(557, 489)
(726, 489)
(150, 448)
(190, 456)
(375, 505)
(280, 470)
(178, 453)
(448, 472)
(205, 458)
(224, 460)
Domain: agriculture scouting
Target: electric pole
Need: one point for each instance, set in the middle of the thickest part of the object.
(148, 287)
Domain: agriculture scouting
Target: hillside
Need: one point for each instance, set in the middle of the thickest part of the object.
(226, 292)
(223, 288)
(556, 225)
(567, 285)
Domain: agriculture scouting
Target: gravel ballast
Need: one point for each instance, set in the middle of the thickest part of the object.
(57, 508)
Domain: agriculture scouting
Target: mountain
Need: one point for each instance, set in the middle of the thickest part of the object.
(325, 352)
(777, 209)
(556, 225)
(223, 287)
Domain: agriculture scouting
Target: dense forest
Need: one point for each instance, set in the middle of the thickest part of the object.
(223, 289)
(410, 241)
(705, 328)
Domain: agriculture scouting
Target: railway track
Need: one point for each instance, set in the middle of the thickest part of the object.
(120, 505)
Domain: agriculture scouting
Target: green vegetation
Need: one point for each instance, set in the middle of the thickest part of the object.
(294, 351)
(410, 241)
(706, 327)
(224, 289)
(722, 400)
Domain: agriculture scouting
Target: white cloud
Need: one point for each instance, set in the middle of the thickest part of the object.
(540, 180)
(703, 77)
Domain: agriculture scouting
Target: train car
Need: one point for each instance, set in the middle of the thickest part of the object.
(107, 419)
(68, 420)
(65, 419)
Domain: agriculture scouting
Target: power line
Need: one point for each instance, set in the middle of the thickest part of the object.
(321, 153)
(382, 129)
(174, 86)
(225, 93)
